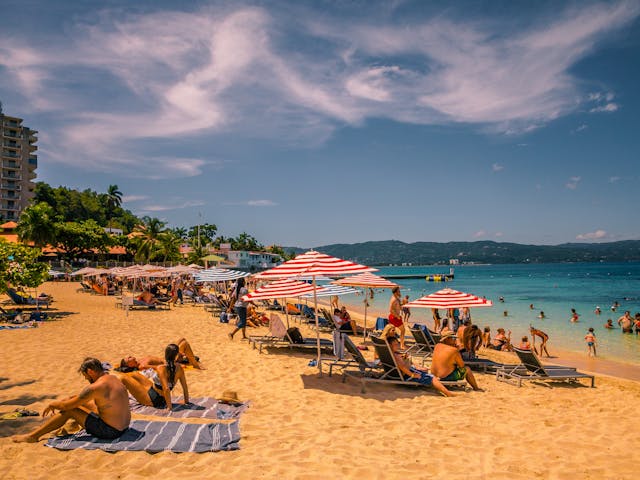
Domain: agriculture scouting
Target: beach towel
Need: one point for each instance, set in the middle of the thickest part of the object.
(15, 327)
(152, 437)
(201, 407)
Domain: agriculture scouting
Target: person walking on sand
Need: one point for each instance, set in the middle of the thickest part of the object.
(102, 407)
(590, 338)
(543, 337)
(395, 314)
(240, 308)
(406, 311)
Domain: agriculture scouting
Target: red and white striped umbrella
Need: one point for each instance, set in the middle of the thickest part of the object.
(366, 279)
(312, 264)
(286, 288)
(449, 298)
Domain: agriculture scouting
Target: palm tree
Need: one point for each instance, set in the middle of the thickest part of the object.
(37, 225)
(114, 200)
(147, 242)
(168, 246)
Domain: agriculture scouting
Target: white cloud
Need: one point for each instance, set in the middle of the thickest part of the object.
(174, 75)
(170, 206)
(609, 107)
(581, 128)
(479, 234)
(134, 198)
(572, 184)
(496, 167)
(261, 203)
(614, 179)
(498, 234)
(597, 235)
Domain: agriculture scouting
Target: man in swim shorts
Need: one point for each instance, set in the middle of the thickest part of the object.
(543, 337)
(447, 363)
(102, 408)
(395, 314)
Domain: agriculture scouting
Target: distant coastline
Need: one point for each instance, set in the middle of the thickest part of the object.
(432, 254)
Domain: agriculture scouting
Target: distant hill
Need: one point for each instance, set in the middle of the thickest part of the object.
(429, 253)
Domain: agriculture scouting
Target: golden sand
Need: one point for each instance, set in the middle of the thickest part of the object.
(305, 427)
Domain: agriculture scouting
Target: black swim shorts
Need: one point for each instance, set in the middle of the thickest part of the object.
(95, 426)
(157, 400)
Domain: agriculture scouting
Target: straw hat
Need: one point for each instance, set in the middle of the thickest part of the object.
(229, 396)
(447, 334)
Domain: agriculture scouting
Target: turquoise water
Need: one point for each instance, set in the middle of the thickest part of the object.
(552, 288)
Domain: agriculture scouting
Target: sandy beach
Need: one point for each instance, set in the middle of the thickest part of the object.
(306, 427)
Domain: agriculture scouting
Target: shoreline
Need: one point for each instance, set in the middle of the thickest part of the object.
(597, 365)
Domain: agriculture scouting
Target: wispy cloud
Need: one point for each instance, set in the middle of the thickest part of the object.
(580, 128)
(597, 235)
(134, 198)
(614, 179)
(170, 206)
(572, 184)
(253, 203)
(480, 234)
(496, 167)
(175, 75)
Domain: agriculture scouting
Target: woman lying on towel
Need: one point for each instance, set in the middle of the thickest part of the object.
(156, 390)
(185, 357)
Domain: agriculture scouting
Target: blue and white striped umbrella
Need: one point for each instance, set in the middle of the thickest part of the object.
(219, 275)
(331, 290)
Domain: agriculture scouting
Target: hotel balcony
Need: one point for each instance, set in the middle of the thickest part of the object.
(11, 144)
(9, 209)
(15, 188)
(10, 154)
(33, 161)
(10, 176)
(7, 196)
(11, 123)
(10, 134)
(10, 165)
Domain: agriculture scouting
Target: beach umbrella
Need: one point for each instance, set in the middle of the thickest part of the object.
(86, 271)
(366, 280)
(55, 273)
(330, 290)
(219, 275)
(314, 264)
(449, 298)
(280, 289)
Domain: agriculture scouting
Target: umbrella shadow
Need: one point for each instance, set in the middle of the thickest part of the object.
(25, 400)
(352, 388)
(17, 384)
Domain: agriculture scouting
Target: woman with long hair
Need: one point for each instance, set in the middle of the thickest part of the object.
(156, 390)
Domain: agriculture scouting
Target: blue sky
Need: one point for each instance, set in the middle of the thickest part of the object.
(310, 123)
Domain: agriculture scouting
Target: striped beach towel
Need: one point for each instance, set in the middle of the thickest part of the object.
(143, 435)
(199, 407)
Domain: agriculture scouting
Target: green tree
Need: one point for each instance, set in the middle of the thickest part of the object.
(145, 244)
(180, 232)
(207, 234)
(196, 254)
(37, 225)
(244, 241)
(76, 238)
(114, 200)
(19, 266)
(167, 246)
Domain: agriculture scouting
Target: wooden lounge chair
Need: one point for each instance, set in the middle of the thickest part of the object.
(392, 372)
(532, 369)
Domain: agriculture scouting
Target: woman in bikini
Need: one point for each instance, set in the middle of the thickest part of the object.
(156, 390)
(185, 356)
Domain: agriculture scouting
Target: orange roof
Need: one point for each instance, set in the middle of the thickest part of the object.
(9, 225)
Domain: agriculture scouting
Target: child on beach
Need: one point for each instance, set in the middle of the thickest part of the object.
(590, 338)
(524, 344)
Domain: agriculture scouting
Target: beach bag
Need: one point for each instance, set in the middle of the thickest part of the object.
(295, 335)
(224, 317)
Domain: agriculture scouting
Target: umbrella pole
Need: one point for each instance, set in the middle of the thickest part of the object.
(364, 333)
(315, 314)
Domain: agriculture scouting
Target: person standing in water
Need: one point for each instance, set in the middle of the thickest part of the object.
(590, 338)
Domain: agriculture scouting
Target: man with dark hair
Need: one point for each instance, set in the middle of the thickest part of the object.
(447, 363)
(102, 408)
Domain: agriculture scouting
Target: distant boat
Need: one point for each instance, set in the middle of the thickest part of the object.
(439, 277)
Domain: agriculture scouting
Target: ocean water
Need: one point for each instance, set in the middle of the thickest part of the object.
(552, 288)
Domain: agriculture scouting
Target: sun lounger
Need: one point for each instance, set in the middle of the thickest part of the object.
(27, 301)
(159, 436)
(531, 368)
(84, 288)
(357, 360)
(280, 337)
(130, 303)
(392, 373)
(422, 348)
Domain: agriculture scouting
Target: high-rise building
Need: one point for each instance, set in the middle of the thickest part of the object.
(19, 163)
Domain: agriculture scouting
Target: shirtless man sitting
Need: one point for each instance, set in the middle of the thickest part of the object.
(147, 297)
(102, 408)
(447, 363)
